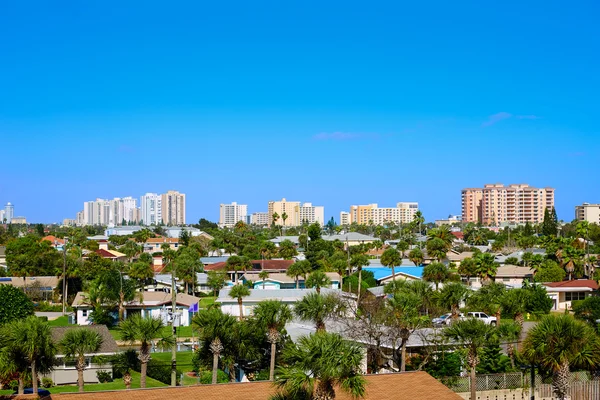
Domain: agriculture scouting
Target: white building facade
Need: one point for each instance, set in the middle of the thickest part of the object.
(151, 209)
(230, 214)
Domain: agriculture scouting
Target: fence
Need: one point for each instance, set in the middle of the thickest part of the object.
(515, 386)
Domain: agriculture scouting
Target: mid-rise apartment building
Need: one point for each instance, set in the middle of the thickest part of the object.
(173, 208)
(260, 219)
(403, 213)
(588, 212)
(344, 218)
(230, 214)
(151, 209)
(499, 204)
(296, 213)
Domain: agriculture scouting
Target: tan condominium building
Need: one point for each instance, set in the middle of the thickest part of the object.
(173, 208)
(588, 212)
(499, 204)
(295, 213)
(403, 213)
(260, 218)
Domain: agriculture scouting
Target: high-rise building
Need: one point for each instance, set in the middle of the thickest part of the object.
(307, 213)
(230, 214)
(295, 212)
(173, 208)
(260, 219)
(498, 204)
(96, 212)
(588, 212)
(9, 212)
(403, 213)
(129, 210)
(151, 210)
(344, 218)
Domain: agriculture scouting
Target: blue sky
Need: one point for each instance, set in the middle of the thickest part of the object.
(336, 104)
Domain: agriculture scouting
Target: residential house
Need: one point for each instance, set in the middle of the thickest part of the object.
(456, 257)
(162, 283)
(273, 266)
(280, 280)
(64, 372)
(418, 385)
(154, 245)
(110, 254)
(563, 293)
(175, 232)
(38, 287)
(511, 276)
(384, 275)
(155, 304)
(55, 242)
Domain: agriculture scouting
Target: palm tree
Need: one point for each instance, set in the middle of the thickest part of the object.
(316, 308)
(263, 275)
(390, 258)
(275, 218)
(12, 359)
(295, 271)
(467, 268)
(215, 328)
(359, 261)
(436, 248)
(560, 342)
(239, 292)
(32, 339)
(472, 334)
(273, 315)
(514, 302)
(442, 233)
(317, 364)
(451, 296)
(77, 343)
(142, 272)
(436, 272)
(416, 257)
(486, 267)
(317, 279)
(137, 329)
(510, 332)
(130, 249)
(489, 299)
(402, 246)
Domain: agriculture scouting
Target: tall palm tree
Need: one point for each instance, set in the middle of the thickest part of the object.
(471, 334)
(486, 267)
(489, 299)
(359, 261)
(77, 343)
(142, 272)
(436, 248)
(452, 295)
(444, 234)
(514, 302)
(216, 329)
(320, 362)
(560, 342)
(137, 329)
(12, 359)
(402, 246)
(239, 292)
(390, 258)
(263, 275)
(436, 272)
(316, 308)
(31, 338)
(317, 279)
(510, 333)
(468, 268)
(273, 315)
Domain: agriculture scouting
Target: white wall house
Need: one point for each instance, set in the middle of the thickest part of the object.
(565, 292)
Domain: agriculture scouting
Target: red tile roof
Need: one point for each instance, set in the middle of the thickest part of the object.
(579, 283)
(408, 385)
(458, 235)
(105, 254)
(274, 265)
(53, 239)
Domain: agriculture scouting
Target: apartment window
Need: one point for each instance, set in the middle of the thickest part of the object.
(570, 296)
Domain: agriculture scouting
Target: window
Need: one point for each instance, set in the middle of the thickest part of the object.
(84, 313)
(570, 296)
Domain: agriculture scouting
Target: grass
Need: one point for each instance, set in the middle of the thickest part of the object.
(184, 364)
(60, 321)
(117, 384)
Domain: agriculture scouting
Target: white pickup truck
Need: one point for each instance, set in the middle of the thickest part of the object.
(482, 316)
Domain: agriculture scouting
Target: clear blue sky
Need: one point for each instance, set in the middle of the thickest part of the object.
(334, 103)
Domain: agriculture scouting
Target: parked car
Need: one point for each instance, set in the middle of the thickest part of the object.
(482, 316)
(41, 392)
(441, 319)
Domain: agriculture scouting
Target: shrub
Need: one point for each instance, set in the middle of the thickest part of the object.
(124, 362)
(47, 382)
(206, 377)
(161, 372)
(14, 304)
(104, 376)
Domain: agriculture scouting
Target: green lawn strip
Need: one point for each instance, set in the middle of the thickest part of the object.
(60, 321)
(184, 364)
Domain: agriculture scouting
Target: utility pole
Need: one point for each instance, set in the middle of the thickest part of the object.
(174, 326)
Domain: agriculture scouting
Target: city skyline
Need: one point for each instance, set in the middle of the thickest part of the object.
(337, 103)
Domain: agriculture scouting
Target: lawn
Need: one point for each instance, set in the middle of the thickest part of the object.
(117, 384)
(60, 321)
(184, 364)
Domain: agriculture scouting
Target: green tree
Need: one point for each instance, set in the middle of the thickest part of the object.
(436, 272)
(316, 308)
(550, 223)
(560, 342)
(239, 292)
(216, 331)
(416, 256)
(263, 275)
(472, 334)
(216, 281)
(78, 342)
(298, 269)
(137, 329)
(451, 296)
(436, 248)
(272, 315)
(588, 310)
(187, 265)
(549, 271)
(141, 272)
(14, 304)
(488, 299)
(486, 267)
(510, 332)
(317, 364)
(32, 338)
(442, 233)
(131, 249)
(468, 268)
(287, 249)
(514, 303)
(391, 258)
(317, 279)
(358, 261)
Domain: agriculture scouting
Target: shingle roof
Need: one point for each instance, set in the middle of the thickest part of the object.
(109, 346)
(411, 385)
(151, 299)
(43, 281)
(514, 270)
(579, 283)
